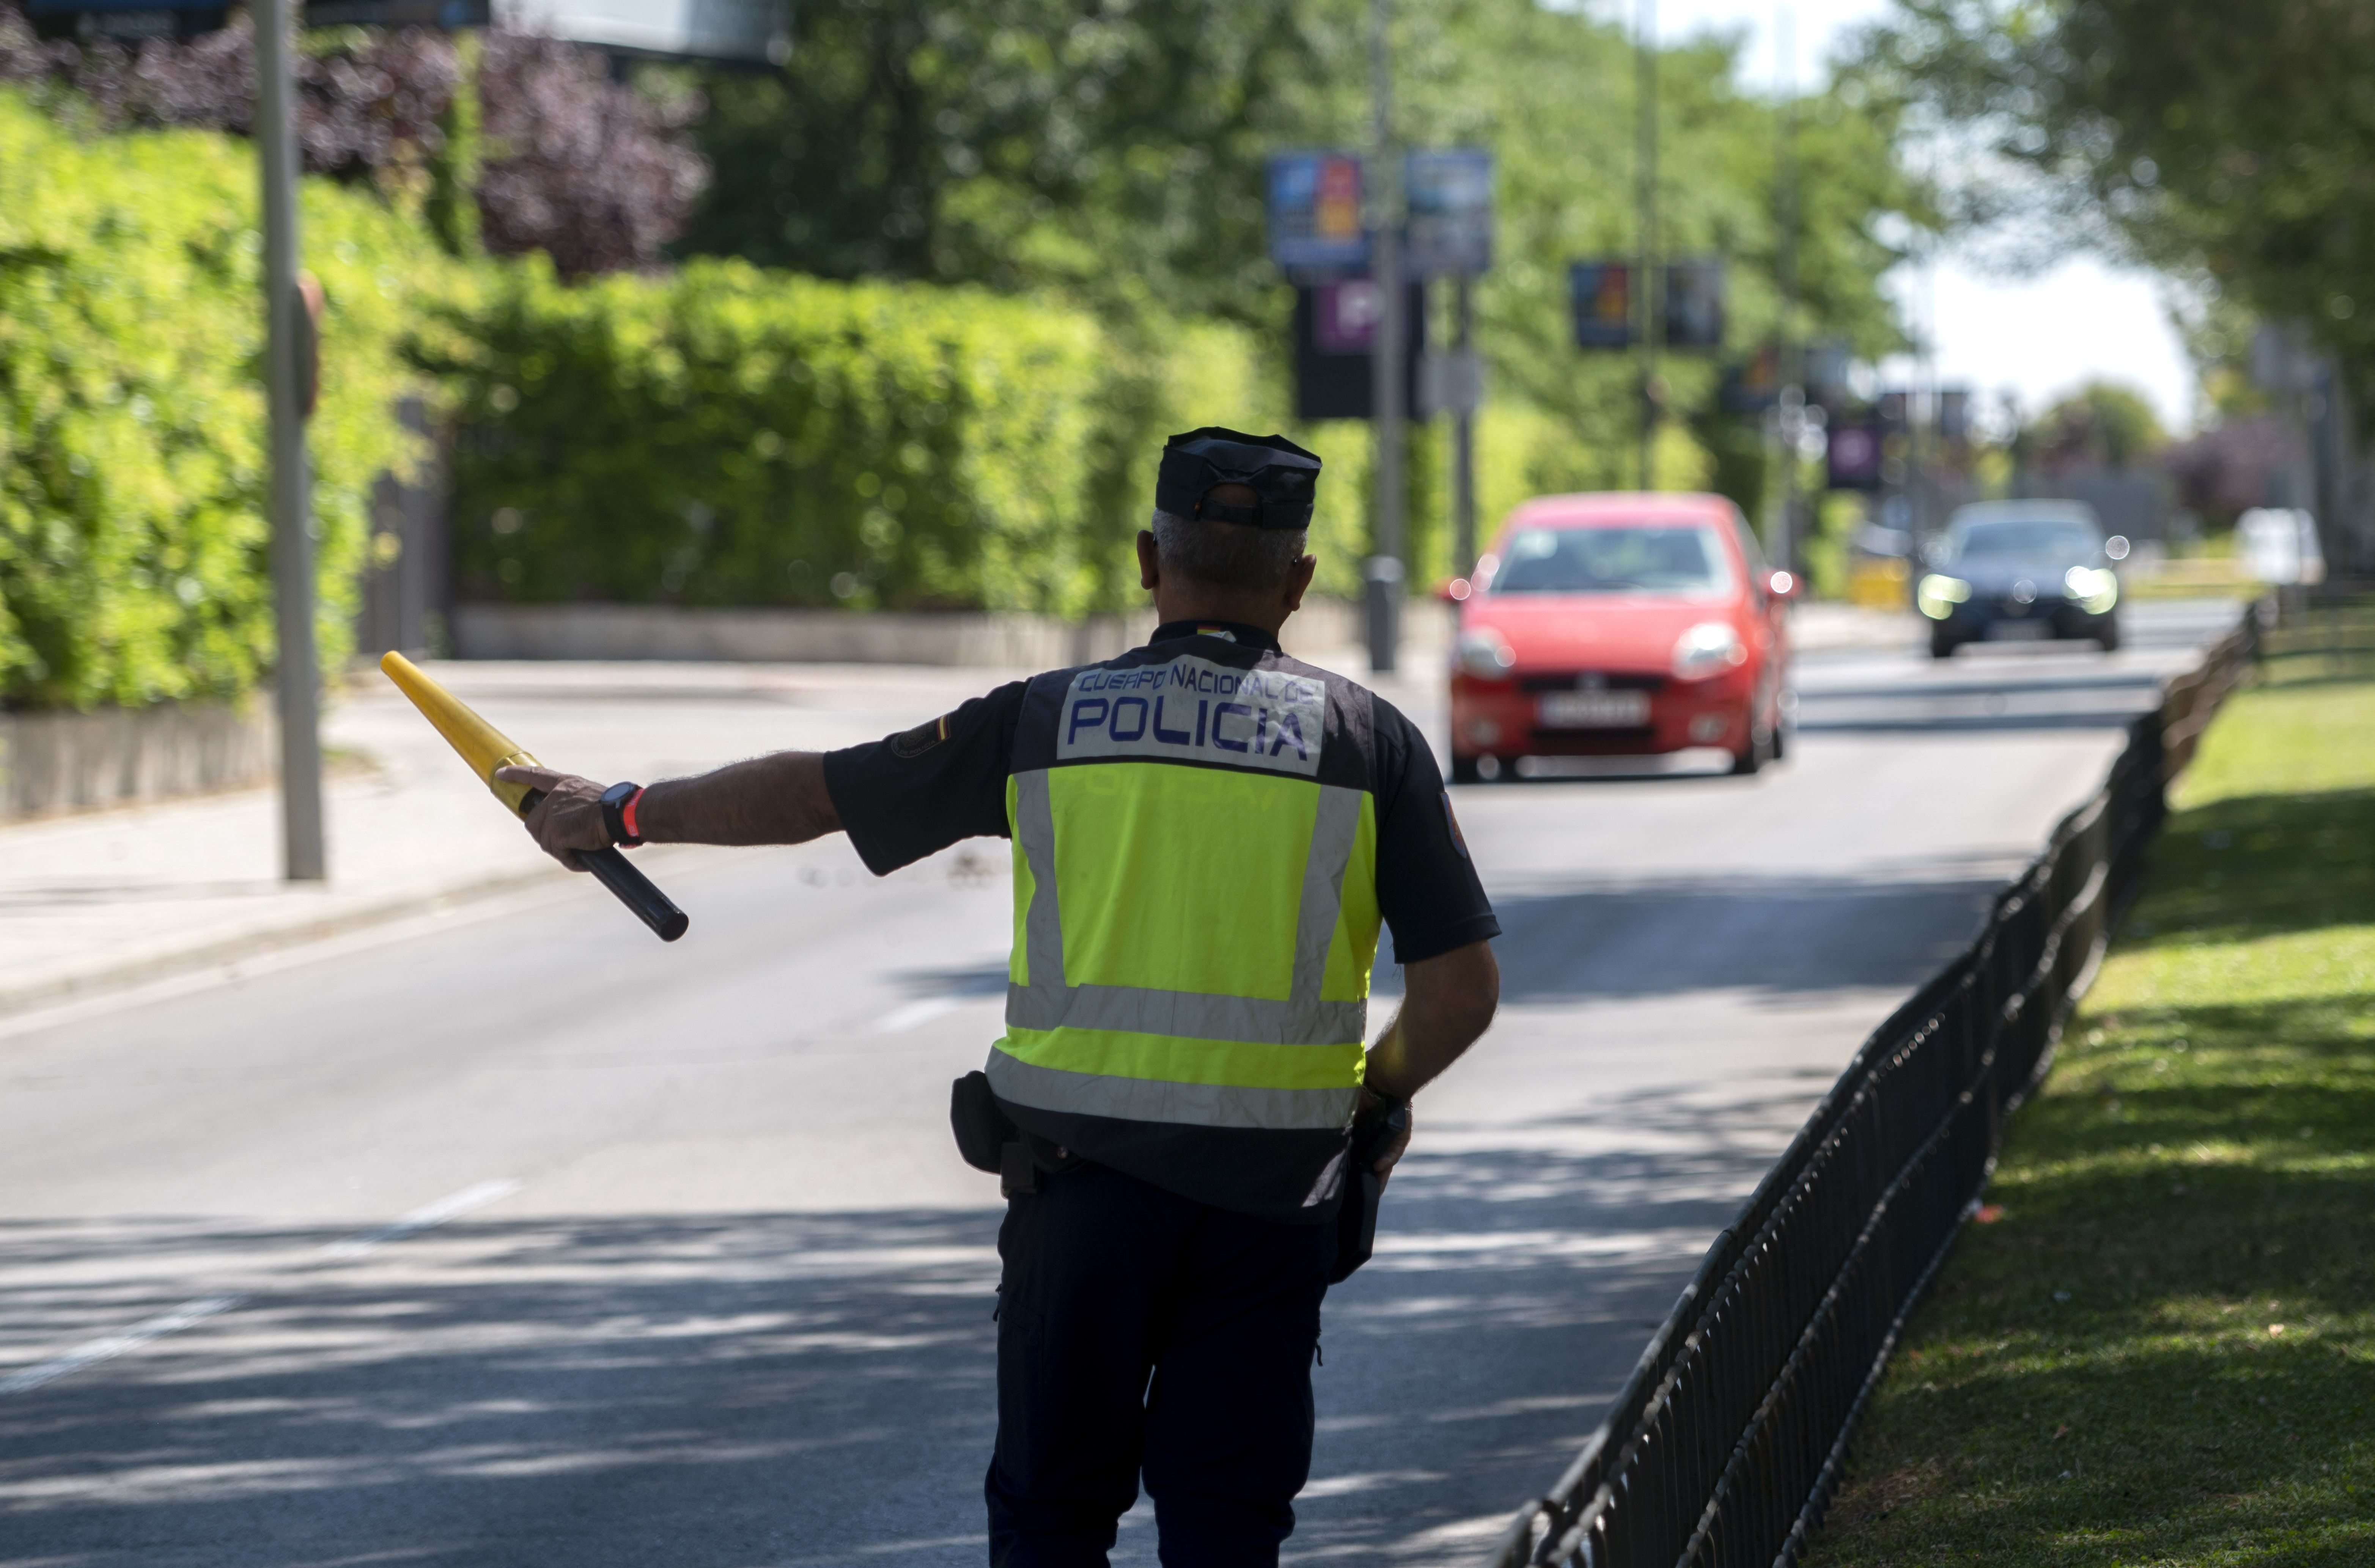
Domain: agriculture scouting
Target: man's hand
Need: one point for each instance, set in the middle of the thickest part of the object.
(568, 819)
(1390, 1155)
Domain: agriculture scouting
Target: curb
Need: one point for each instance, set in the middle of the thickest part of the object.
(127, 968)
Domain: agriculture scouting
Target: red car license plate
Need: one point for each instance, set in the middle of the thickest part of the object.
(1594, 709)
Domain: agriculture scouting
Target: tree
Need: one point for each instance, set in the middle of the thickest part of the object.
(1109, 150)
(2104, 424)
(1115, 152)
(2233, 142)
(592, 173)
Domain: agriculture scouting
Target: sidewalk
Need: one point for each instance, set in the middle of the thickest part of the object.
(101, 902)
(111, 900)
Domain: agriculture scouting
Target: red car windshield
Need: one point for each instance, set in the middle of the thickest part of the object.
(1647, 557)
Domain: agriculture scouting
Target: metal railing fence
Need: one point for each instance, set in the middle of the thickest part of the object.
(1726, 1444)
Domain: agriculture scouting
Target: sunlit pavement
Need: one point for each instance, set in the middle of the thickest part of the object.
(517, 1238)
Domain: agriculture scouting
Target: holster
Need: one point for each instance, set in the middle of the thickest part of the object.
(987, 1139)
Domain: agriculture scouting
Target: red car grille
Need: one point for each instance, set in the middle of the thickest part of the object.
(1583, 680)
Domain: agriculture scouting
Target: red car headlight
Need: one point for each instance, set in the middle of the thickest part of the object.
(1708, 648)
(1484, 654)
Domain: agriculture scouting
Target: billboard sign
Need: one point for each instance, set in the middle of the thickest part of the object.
(1694, 305)
(1314, 213)
(750, 31)
(449, 15)
(125, 20)
(1603, 296)
(1450, 193)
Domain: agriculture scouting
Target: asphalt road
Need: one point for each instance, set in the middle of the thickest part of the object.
(516, 1238)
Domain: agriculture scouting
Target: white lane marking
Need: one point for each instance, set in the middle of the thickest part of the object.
(900, 1020)
(422, 1218)
(182, 1316)
(93, 1351)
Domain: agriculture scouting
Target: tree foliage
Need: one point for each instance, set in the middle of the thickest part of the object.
(1114, 153)
(133, 545)
(554, 155)
(2103, 424)
(728, 436)
(2235, 143)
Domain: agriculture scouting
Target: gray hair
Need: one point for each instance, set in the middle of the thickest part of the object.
(1226, 555)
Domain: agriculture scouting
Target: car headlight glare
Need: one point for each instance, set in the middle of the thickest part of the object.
(1484, 654)
(2096, 589)
(1709, 648)
(1937, 594)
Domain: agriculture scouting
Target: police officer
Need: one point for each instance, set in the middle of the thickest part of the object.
(1207, 837)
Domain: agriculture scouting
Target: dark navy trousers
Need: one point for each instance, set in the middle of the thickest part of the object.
(1143, 1332)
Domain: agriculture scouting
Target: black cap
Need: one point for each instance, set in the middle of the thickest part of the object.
(1281, 473)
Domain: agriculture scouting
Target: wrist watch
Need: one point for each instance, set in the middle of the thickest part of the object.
(618, 803)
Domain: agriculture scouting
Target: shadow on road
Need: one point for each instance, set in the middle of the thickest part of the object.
(715, 1390)
(1780, 934)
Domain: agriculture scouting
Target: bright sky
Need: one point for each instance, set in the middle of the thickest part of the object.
(2037, 337)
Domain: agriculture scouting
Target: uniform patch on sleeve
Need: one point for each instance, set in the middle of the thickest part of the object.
(1451, 817)
(910, 744)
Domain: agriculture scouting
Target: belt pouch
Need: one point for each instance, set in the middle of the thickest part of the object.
(983, 1131)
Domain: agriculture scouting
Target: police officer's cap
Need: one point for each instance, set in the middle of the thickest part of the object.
(1282, 475)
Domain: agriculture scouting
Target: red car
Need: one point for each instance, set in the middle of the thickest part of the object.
(1619, 625)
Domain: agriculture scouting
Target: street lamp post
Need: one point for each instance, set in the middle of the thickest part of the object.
(1385, 568)
(286, 329)
(1644, 63)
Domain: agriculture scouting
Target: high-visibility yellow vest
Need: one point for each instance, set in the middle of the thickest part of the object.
(1195, 894)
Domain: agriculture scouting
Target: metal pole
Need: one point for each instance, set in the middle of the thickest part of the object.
(1385, 568)
(1645, 60)
(1464, 443)
(1792, 421)
(298, 674)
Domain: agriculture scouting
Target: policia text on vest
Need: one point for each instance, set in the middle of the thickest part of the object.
(1208, 840)
(1264, 718)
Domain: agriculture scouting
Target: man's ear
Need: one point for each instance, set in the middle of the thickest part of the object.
(1298, 582)
(1149, 561)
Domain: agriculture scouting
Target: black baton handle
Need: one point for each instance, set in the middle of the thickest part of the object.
(634, 889)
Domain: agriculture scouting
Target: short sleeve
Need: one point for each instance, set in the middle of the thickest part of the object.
(1427, 888)
(915, 793)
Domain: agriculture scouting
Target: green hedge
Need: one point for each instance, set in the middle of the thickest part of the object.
(726, 435)
(133, 542)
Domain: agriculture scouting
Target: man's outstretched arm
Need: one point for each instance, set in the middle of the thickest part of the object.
(779, 798)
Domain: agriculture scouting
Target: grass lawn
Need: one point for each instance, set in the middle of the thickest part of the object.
(2159, 1348)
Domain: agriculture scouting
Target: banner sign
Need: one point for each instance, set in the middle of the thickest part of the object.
(1852, 456)
(1451, 195)
(1314, 213)
(1753, 385)
(1694, 305)
(1602, 294)
(1335, 348)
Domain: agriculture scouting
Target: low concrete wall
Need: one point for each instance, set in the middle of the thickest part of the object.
(67, 762)
(794, 636)
(798, 636)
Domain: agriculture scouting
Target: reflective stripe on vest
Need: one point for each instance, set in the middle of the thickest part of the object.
(1195, 1056)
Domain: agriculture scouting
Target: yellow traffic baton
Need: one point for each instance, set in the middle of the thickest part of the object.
(487, 750)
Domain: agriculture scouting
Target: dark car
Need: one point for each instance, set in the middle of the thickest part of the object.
(2022, 569)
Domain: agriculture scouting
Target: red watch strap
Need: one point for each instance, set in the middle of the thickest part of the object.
(627, 815)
